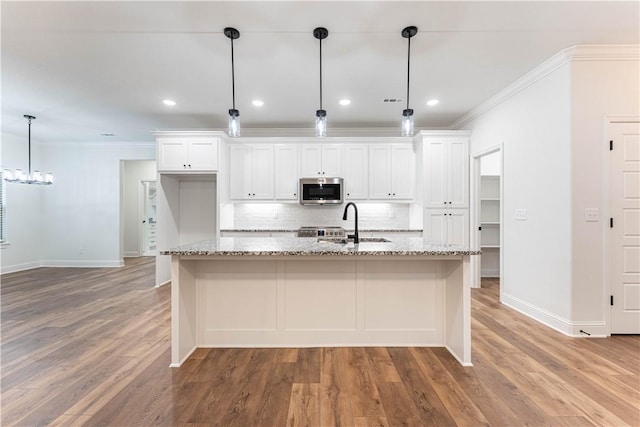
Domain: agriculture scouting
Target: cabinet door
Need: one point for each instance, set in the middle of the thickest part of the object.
(458, 227)
(435, 225)
(332, 160)
(262, 172)
(203, 155)
(240, 187)
(380, 172)
(172, 155)
(435, 163)
(286, 171)
(402, 171)
(310, 161)
(458, 174)
(356, 172)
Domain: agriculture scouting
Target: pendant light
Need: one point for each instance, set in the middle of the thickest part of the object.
(35, 177)
(407, 114)
(234, 114)
(321, 33)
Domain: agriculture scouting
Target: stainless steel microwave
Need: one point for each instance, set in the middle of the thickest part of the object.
(321, 191)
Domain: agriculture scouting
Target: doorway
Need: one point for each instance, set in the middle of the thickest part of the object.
(137, 189)
(147, 221)
(486, 215)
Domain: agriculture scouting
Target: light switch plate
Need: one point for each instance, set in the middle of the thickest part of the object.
(591, 215)
(521, 214)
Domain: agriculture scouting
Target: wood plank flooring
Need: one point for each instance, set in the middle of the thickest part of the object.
(91, 347)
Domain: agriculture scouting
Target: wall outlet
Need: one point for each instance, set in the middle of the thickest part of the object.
(521, 214)
(591, 215)
(392, 214)
(275, 214)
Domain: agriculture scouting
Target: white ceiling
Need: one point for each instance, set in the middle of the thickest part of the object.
(88, 68)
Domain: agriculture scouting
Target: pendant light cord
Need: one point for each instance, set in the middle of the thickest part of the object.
(408, 68)
(29, 146)
(233, 77)
(321, 74)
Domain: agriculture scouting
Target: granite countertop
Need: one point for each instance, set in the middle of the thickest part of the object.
(309, 246)
(370, 230)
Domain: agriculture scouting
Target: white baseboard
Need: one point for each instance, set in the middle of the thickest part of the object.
(127, 254)
(20, 267)
(593, 329)
(163, 283)
(82, 263)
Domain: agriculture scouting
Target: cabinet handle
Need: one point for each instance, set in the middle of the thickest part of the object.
(322, 173)
(318, 172)
(249, 194)
(294, 194)
(388, 194)
(444, 203)
(184, 166)
(189, 166)
(348, 194)
(394, 194)
(254, 194)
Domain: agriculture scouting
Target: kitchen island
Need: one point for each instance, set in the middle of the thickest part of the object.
(298, 292)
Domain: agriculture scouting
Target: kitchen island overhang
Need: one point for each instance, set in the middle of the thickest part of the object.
(297, 292)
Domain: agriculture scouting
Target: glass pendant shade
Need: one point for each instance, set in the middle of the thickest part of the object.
(407, 122)
(234, 123)
(321, 123)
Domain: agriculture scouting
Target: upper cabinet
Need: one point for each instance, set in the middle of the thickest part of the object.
(286, 171)
(446, 166)
(251, 172)
(391, 171)
(321, 160)
(356, 171)
(190, 154)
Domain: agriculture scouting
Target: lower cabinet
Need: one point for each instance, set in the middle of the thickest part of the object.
(447, 226)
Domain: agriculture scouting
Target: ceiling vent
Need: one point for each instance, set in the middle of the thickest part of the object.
(392, 100)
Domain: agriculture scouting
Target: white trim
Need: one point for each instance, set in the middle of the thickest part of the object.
(130, 254)
(21, 267)
(565, 56)
(163, 283)
(82, 263)
(596, 328)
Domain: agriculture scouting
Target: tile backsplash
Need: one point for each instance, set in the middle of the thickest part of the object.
(292, 216)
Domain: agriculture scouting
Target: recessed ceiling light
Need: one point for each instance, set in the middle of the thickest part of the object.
(345, 101)
(257, 102)
(169, 102)
(432, 102)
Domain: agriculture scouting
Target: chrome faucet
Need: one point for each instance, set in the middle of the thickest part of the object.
(356, 239)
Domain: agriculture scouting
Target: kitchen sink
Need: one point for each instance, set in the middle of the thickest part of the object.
(345, 241)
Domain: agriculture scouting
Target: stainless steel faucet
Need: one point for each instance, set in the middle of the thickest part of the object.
(356, 239)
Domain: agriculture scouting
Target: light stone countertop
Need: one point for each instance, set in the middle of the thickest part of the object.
(295, 230)
(309, 246)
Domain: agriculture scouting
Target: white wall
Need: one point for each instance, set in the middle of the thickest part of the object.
(76, 221)
(534, 126)
(490, 164)
(26, 218)
(134, 171)
(551, 123)
(598, 88)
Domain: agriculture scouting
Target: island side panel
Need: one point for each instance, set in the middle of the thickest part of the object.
(183, 309)
(458, 311)
(321, 302)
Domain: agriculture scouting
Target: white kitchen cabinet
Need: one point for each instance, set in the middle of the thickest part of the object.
(286, 171)
(187, 155)
(321, 160)
(251, 172)
(356, 171)
(391, 171)
(446, 165)
(447, 226)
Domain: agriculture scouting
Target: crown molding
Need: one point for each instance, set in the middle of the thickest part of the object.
(565, 56)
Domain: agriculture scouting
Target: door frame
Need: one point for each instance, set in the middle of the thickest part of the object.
(474, 213)
(606, 207)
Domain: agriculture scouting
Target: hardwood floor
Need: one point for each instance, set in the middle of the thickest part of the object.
(91, 347)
